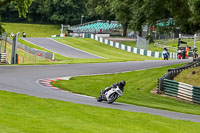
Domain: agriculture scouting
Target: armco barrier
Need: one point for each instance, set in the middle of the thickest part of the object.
(182, 90)
(168, 86)
(132, 49)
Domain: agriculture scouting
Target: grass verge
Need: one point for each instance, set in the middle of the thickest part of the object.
(190, 76)
(21, 113)
(32, 30)
(102, 50)
(168, 42)
(137, 89)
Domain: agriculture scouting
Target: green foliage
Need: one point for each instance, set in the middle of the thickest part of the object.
(21, 5)
(101, 8)
(2, 30)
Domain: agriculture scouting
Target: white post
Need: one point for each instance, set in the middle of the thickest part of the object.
(61, 29)
(179, 35)
(194, 40)
(82, 18)
(53, 57)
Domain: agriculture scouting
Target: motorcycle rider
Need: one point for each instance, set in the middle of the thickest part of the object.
(120, 85)
(165, 53)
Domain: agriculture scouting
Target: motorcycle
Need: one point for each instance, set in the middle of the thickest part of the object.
(179, 54)
(165, 55)
(111, 95)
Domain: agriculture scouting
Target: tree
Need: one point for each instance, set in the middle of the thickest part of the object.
(22, 5)
(100, 8)
(147, 12)
(122, 11)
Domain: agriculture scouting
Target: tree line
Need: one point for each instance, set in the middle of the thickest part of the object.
(133, 14)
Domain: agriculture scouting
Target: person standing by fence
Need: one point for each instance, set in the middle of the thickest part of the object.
(24, 34)
(187, 52)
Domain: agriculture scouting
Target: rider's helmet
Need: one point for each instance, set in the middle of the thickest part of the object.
(122, 83)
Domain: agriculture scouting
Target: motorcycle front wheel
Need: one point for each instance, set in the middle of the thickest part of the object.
(112, 98)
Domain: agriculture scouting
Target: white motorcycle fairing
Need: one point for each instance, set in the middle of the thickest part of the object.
(111, 91)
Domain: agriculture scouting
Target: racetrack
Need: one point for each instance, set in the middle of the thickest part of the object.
(23, 79)
(60, 48)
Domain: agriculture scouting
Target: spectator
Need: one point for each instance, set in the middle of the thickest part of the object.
(183, 53)
(187, 51)
(24, 34)
(195, 53)
(12, 35)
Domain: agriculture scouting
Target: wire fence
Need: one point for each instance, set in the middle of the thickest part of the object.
(25, 54)
(34, 51)
(3, 43)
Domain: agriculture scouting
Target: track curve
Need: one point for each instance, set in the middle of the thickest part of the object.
(22, 79)
(60, 48)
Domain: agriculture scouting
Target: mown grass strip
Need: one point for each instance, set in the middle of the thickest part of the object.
(32, 30)
(190, 76)
(137, 90)
(21, 113)
(102, 50)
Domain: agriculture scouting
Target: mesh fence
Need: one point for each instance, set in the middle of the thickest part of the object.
(142, 43)
(33, 51)
(3, 43)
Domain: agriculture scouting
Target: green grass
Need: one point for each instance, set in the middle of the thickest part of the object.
(21, 114)
(169, 42)
(110, 54)
(129, 43)
(137, 90)
(151, 46)
(103, 50)
(32, 30)
(190, 76)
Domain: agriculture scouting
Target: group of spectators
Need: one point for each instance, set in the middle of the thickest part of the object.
(13, 35)
(183, 52)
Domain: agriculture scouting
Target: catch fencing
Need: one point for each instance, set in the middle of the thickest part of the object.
(163, 46)
(34, 51)
(168, 86)
(3, 58)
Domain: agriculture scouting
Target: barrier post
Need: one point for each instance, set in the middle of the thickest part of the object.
(17, 58)
(160, 85)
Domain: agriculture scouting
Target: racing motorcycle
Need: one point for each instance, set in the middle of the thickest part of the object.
(165, 54)
(111, 95)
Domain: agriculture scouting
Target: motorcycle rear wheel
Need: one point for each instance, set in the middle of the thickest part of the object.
(99, 99)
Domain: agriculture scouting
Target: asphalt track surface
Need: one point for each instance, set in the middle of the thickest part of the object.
(24, 80)
(60, 48)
